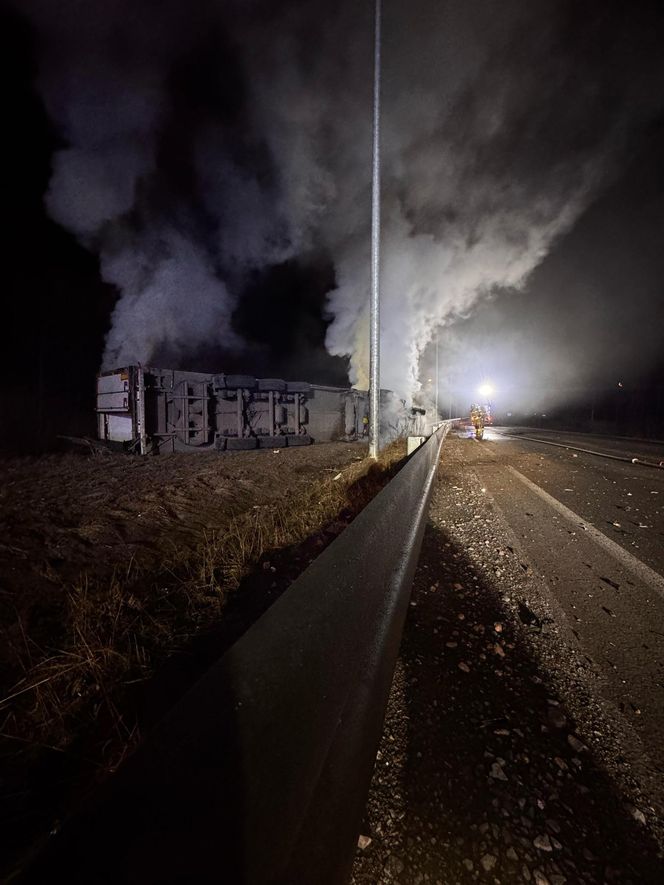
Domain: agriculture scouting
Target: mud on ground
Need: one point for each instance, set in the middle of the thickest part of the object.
(114, 567)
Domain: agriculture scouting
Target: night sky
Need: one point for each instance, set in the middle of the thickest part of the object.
(188, 185)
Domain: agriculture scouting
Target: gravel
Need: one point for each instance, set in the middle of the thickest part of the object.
(499, 760)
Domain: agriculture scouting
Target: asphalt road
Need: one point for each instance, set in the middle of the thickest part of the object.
(524, 740)
(552, 499)
(651, 451)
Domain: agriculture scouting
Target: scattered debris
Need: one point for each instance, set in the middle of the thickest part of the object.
(488, 862)
(556, 718)
(497, 772)
(543, 842)
(611, 583)
(547, 796)
(527, 616)
(577, 745)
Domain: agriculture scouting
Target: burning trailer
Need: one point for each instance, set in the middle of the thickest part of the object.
(149, 410)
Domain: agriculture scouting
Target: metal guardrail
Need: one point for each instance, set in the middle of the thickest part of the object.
(260, 773)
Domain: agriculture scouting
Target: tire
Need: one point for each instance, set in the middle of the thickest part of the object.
(247, 382)
(240, 444)
(272, 384)
(302, 439)
(272, 442)
(298, 387)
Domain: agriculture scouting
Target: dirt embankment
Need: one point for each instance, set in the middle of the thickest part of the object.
(114, 568)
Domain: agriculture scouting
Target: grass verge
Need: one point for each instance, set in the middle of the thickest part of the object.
(72, 696)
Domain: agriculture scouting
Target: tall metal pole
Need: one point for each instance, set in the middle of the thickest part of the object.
(374, 353)
(437, 411)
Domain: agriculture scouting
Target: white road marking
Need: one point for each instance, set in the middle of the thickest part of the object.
(642, 571)
(626, 459)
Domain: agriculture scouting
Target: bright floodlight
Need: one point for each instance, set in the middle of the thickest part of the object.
(485, 390)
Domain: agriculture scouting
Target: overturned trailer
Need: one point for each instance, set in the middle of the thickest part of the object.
(150, 410)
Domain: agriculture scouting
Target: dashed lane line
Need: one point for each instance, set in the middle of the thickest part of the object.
(642, 571)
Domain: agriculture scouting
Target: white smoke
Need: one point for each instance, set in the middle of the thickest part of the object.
(108, 117)
(105, 80)
(496, 137)
(170, 296)
(499, 128)
(90, 188)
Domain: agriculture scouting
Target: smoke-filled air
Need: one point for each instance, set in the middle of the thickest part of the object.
(202, 142)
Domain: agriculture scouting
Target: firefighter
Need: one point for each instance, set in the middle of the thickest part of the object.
(477, 418)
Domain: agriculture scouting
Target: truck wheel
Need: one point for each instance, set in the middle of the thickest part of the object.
(245, 381)
(240, 444)
(272, 442)
(272, 384)
(301, 439)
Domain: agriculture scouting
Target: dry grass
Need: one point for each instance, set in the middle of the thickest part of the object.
(223, 558)
(117, 631)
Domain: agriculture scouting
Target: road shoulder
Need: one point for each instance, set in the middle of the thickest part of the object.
(501, 760)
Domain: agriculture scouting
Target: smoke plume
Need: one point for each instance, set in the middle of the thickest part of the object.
(201, 145)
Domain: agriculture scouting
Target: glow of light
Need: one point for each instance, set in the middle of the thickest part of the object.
(485, 390)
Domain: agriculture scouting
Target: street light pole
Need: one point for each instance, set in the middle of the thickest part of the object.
(374, 345)
(437, 412)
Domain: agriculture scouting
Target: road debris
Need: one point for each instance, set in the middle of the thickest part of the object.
(496, 768)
